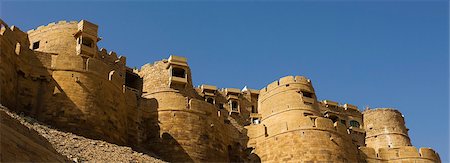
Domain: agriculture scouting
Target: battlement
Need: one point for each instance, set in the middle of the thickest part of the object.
(284, 81)
(111, 57)
(58, 73)
(52, 25)
(400, 153)
(370, 111)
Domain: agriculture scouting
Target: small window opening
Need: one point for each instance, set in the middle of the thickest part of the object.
(307, 114)
(221, 106)
(254, 110)
(307, 94)
(178, 72)
(234, 106)
(210, 100)
(133, 80)
(87, 42)
(334, 118)
(354, 123)
(36, 45)
(256, 121)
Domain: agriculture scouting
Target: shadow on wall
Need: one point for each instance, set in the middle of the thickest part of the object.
(36, 92)
(45, 100)
(164, 145)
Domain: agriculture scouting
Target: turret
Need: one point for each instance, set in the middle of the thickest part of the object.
(293, 96)
(292, 128)
(87, 39)
(385, 128)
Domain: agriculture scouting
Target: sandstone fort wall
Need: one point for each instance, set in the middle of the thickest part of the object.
(385, 128)
(57, 74)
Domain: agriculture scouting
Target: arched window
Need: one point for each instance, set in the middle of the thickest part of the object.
(234, 106)
(354, 123)
(178, 72)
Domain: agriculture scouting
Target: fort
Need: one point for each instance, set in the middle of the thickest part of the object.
(58, 75)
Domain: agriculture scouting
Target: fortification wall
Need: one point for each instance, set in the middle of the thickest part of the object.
(400, 154)
(155, 76)
(385, 128)
(86, 104)
(84, 90)
(290, 118)
(55, 37)
(285, 95)
(306, 139)
(24, 77)
(64, 89)
(8, 74)
(186, 129)
(348, 115)
(181, 125)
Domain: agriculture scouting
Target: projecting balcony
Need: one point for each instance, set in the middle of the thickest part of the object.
(86, 50)
(178, 80)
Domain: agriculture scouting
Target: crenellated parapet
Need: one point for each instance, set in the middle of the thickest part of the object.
(400, 154)
(58, 74)
(285, 81)
(289, 95)
(111, 58)
(55, 38)
(50, 25)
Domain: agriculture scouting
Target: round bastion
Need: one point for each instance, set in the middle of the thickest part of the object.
(291, 118)
(385, 128)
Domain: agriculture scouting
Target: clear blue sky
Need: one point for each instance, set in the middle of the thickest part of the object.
(374, 53)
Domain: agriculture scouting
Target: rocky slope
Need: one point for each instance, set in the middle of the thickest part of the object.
(21, 144)
(41, 143)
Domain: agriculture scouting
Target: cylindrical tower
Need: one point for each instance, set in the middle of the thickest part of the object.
(294, 97)
(178, 126)
(55, 38)
(294, 130)
(86, 93)
(385, 128)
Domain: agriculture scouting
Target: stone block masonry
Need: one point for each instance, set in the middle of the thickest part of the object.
(58, 75)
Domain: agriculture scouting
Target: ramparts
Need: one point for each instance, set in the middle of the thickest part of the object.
(400, 154)
(57, 74)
